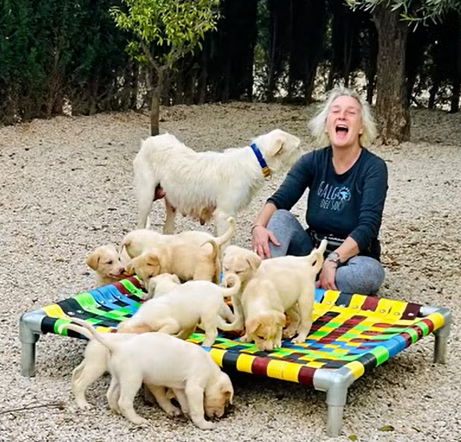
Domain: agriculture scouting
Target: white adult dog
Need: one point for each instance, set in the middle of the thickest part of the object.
(207, 184)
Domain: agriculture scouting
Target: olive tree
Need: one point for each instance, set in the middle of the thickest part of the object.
(392, 19)
(162, 32)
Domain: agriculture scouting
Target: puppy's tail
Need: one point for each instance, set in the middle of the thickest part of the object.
(232, 283)
(93, 334)
(220, 240)
(77, 329)
(315, 258)
(215, 251)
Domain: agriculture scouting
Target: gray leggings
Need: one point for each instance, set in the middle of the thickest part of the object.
(360, 274)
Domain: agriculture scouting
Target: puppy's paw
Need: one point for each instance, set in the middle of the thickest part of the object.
(83, 405)
(245, 338)
(288, 333)
(173, 411)
(204, 425)
(138, 420)
(298, 340)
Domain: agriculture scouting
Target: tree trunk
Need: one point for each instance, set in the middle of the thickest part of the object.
(392, 107)
(456, 81)
(155, 104)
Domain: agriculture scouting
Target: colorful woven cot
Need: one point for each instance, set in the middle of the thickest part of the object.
(350, 336)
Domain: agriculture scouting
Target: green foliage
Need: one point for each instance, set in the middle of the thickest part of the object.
(412, 11)
(165, 30)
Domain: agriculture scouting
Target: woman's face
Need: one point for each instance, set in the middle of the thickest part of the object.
(344, 122)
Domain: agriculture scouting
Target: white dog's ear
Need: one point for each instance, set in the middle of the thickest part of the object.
(92, 260)
(254, 260)
(276, 147)
(228, 393)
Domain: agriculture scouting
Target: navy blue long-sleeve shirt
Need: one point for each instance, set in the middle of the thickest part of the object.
(349, 204)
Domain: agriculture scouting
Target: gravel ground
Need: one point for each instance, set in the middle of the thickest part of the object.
(66, 189)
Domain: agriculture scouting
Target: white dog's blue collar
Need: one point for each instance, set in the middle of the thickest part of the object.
(265, 168)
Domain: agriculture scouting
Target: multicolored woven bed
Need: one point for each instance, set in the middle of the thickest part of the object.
(350, 336)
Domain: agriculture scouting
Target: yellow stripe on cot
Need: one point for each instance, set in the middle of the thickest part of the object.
(356, 368)
(437, 319)
(286, 371)
(217, 354)
(244, 362)
(55, 311)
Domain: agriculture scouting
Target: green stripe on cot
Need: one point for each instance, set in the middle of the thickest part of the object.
(132, 288)
(381, 354)
(413, 334)
(57, 324)
(424, 327)
(87, 302)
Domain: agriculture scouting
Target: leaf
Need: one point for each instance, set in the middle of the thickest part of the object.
(386, 428)
(352, 437)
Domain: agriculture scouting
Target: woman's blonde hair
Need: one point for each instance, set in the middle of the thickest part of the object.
(317, 123)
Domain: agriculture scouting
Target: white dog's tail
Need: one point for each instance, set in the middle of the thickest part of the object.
(88, 331)
(315, 258)
(220, 240)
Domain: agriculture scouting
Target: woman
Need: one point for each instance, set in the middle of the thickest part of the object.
(347, 190)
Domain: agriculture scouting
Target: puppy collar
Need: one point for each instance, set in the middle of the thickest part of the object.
(265, 168)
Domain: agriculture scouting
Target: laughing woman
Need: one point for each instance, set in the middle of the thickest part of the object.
(347, 190)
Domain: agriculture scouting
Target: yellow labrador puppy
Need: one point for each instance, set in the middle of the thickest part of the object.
(181, 310)
(108, 263)
(138, 241)
(162, 360)
(187, 261)
(279, 286)
(95, 364)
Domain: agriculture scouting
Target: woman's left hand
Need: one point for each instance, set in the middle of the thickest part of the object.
(327, 276)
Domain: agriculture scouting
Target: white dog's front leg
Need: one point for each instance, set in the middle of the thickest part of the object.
(195, 395)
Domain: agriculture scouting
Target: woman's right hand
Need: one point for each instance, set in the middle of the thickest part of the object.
(260, 241)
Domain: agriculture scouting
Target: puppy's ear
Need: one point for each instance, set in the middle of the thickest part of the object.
(92, 260)
(228, 393)
(152, 260)
(129, 268)
(254, 260)
(251, 326)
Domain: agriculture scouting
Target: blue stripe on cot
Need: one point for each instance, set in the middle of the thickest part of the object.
(319, 293)
(104, 298)
(394, 345)
(110, 290)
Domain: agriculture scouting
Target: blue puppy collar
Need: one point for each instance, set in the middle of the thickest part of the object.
(265, 168)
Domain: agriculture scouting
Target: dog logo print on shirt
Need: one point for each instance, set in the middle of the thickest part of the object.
(333, 197)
